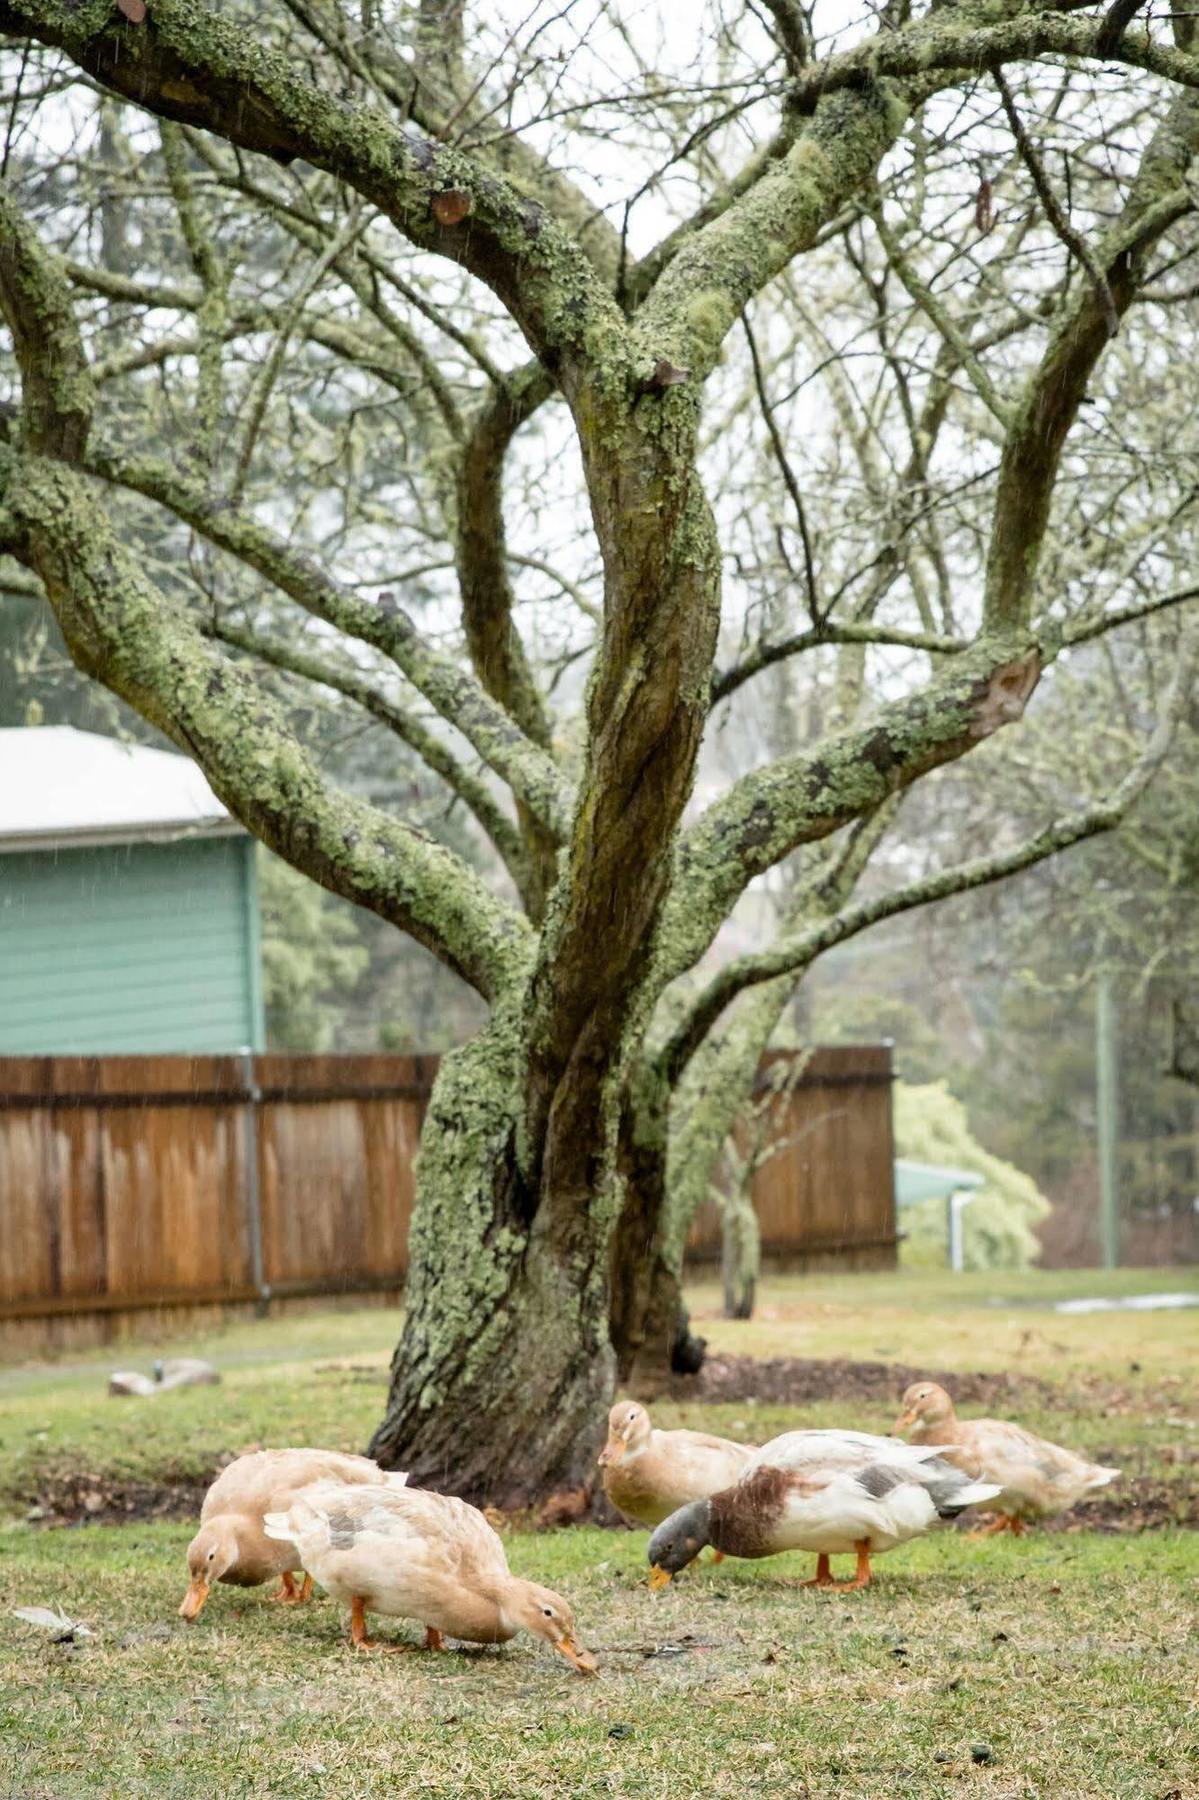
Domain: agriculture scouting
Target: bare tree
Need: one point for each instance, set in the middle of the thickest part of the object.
(308, 377)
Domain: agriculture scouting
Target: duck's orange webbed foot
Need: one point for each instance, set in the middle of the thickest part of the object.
(823, 1576)
(358, 1635)
(288, 1594)
(862, 1572)
(433, 1638)
(1001, 1522)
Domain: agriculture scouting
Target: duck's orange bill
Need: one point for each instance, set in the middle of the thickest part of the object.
(574, 1653)
(612, 1452)
(194, 1598)
(903, 1421)
(658, 1577)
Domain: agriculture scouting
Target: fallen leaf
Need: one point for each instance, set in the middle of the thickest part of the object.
(49, 1620)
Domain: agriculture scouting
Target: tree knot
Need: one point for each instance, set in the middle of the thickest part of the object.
(1005, 694)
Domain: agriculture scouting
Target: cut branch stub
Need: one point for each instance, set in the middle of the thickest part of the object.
(452, 206)
(1006, 694)
(665, 375)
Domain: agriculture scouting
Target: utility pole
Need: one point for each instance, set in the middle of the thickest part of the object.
(1107, 1107)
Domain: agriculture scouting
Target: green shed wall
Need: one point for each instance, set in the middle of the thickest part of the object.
(150, 947)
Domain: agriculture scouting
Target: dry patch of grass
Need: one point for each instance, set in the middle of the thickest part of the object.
(1043, 1667)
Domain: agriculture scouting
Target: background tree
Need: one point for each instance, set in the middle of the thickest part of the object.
(467, 369)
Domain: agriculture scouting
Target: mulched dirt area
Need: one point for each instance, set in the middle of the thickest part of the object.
(798, 1381)
(1140, 1502)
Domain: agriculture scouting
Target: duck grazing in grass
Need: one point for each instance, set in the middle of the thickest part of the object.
(648, 1474)
(831, 1492)
(1035, 1478)
(231, 1545)
(413, 1554)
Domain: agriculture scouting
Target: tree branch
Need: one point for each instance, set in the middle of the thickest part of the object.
(763, 656)
(1085, 629)
(793, 954)
(188, 63)
(120, 628)
(1057, 387)
(452, 690)
(930, 305)
(1075, 243)
(786, 471)
(955, 42)
(800, 799)
(436, 755)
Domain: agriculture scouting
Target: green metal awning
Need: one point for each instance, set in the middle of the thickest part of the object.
(929, 1181)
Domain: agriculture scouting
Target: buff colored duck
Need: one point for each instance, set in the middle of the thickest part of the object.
(413, 1554)
(648, 1474)
(231, 1545)
(1034, 1477)
(831, 1492)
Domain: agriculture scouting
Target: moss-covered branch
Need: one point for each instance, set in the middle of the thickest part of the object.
(859, 104)
(800, 799)
(488, 600)
(963, 38)
(188, 63)
(795, 952)
(451, 690)
(344, 679)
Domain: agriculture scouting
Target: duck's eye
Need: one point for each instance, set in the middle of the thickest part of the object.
(211, 1554)
(548, 1611)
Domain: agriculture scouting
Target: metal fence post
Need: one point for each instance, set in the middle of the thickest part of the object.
(251, 1101)
(1108, 1109)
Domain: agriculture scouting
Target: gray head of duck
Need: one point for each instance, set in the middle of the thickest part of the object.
(678, 1540)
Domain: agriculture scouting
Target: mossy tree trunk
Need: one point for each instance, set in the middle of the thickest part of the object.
(547, 1239)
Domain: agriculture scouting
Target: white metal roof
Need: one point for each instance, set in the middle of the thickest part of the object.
(61, 787)
(916, 1181)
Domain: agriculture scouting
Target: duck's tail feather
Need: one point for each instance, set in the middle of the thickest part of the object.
(1101, 1477)
(396, 1477)
(972, 1493)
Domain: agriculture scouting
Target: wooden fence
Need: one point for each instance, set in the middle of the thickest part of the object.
(136, 1182)
(825, 1191)
(130, 1183)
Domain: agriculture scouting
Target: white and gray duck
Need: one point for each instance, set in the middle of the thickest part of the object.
(835, 1493)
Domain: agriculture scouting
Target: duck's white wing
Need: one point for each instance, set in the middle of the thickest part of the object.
(800, 1451)
(424, 1528)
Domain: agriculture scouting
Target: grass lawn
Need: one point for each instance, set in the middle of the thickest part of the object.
(1063, 1662)
(1067, 1662)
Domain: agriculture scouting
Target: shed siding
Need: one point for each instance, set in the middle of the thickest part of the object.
(144, 947)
